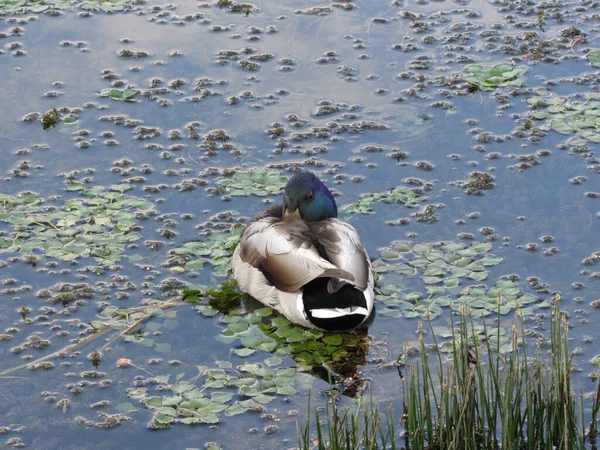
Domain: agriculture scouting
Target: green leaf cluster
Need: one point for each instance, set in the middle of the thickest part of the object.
(398, 195)
(593, 57)
(147, 335)
(444, 268)
(263, 330)
(138, 323)
(488, 77)
(120, 94)
(578, 118)
(216, 250)
(223, 299)
(38, 6)
(220, 389)
(98, 224)
(260, 181)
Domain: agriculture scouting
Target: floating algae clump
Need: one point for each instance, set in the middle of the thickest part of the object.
(488, 78)
(98, 224)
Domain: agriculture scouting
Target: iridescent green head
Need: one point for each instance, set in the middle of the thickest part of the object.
(307, 196)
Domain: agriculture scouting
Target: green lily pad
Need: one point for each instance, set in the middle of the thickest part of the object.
(216, 250)
(580, 120)
(398, 195)
(446, 269)
(490, 77)
(261, 182)
(97, 224)
(593, 57)
(120, 94)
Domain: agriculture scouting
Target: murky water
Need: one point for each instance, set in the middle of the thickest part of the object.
(371, 96)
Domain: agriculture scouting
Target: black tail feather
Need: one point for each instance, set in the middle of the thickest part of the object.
(316, 296)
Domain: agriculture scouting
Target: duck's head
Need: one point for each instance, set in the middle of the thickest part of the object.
(306, 196)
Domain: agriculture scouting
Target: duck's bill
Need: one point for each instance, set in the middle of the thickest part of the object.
(295, 214)
(332, 313)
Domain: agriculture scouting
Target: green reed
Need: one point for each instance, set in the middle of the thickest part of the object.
(481, 399)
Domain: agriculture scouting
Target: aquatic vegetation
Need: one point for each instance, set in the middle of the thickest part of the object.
(259, 181)
(398, 195)
(361, 426)
(98, 224)
(566, 116)
(426, 214)
(498, 398)
(130, 320)
(262, 330)
(50, 119)
(593, 57)
(221, 387)
(258, 95)
(489, 77)
(25, 6)
(246, 8)
(120, 94)
(444, 268)
(216, 249)
(214, 390)
(223, 299)
(118, 322)
(65, 293)
(477, 183)
(524, 399)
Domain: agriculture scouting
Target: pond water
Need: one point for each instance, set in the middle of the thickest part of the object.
(465, 129)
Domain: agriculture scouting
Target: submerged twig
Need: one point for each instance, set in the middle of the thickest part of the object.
(101, 332)
(67, 349)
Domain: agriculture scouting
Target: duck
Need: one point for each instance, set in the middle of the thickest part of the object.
(298, 258)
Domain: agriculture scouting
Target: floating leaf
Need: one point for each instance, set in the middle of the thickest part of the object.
(98, 224)
(217, 250)
(488, 78)
(257, 181)
(235, 409)
(593, 57)
(163, 348)
(120, 94)
(398, 195)
(243, 351)
(443, 267)
(578, 118)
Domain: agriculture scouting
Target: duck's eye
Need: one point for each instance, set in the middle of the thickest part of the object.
(310, 196)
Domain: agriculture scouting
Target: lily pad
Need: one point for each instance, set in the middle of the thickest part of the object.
(398, 195)
(127, 95)
(581, 119)
(446, 269)
(593, 57)
(216, 250)
(489, 77)
(213, 391)
(98, 224)
(261, 182)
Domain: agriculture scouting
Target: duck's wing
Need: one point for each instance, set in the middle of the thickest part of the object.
(342, 246)
(282, 249)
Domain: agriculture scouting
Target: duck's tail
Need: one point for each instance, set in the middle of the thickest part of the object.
(343, 309)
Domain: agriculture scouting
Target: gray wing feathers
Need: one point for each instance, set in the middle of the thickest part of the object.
(283, 251)
(343, 247)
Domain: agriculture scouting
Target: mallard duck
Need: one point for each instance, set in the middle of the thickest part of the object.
(301, 260)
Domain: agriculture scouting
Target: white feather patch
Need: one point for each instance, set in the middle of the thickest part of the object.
(332, 313)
